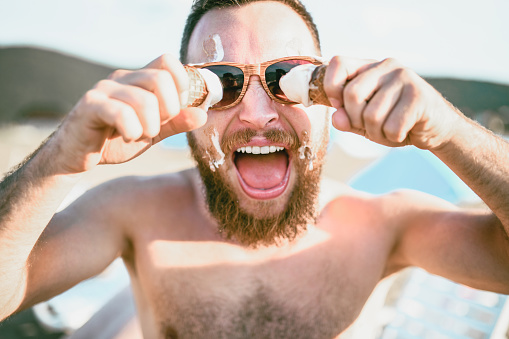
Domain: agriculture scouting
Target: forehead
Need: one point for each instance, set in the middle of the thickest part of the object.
(253, 33)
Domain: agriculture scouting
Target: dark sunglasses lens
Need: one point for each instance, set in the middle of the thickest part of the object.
(232, 79)
(274, 72)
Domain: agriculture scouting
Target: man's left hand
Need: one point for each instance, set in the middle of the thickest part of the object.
(388, 103)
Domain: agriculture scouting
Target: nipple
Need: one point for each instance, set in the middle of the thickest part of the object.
(213, 48)
(306, 152)
(216, 155)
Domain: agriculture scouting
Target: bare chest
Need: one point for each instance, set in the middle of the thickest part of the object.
(213, 290)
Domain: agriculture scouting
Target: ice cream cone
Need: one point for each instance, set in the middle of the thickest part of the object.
(197, 87)
(316, 90)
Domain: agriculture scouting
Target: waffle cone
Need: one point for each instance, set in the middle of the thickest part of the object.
(316, 90)
(197, 87)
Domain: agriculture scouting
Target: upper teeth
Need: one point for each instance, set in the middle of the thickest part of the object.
(260, 150)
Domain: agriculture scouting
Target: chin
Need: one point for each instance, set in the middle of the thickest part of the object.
(259, 198)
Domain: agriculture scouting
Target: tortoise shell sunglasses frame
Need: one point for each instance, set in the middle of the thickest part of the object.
(231, 94)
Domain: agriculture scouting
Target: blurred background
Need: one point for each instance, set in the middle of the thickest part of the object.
(51, 52)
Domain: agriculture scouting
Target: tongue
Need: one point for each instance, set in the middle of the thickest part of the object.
(262, 171)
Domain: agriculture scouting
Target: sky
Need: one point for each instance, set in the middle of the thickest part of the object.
(457, 38)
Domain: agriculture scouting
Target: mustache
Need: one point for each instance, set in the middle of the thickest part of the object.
(274, 135)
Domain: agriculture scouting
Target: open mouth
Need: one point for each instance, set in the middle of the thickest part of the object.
(263, 170)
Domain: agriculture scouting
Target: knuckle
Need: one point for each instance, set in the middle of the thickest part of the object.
(91, 96)
(184, 80)
(412, 91)
(161, 78)
(371, 116)
(117, 74)
(153, 131)
(170, 58)
(402, 73)
(391, 63)
(392, 132)
(399, 73)
(335, 61)
(161, 75)
(102, 84)
(173, 108)
(352, 93)
(148, 100)
(167, 60)
(122, 113)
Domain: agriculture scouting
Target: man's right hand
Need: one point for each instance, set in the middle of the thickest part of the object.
(124, 115)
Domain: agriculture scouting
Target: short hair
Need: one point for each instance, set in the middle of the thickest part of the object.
(201, 7)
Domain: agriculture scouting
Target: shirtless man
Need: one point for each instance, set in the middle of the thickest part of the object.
(242, 248)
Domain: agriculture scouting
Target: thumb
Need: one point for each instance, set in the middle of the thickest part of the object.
(341, 121)
(188, 119)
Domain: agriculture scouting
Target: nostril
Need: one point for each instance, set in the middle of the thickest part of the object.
(270, 121)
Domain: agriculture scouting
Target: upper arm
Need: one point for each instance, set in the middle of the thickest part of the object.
(466, 246)
(78, 243)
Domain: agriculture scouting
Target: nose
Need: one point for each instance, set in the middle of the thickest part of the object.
(256, 108)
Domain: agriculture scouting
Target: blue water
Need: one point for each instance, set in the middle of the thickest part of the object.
(178, 141)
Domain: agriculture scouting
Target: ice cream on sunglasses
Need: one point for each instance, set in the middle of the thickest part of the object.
(302, 84)
(204, 87)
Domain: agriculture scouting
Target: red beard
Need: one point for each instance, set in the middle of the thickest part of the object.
(237, 224)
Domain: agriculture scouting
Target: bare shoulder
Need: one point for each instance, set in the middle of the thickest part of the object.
(124, 202)
(385, 216)
(342, 201)
(387, 223)
(390, 207)
(138, 193)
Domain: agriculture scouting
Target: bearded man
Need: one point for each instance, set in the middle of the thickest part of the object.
(240, 246)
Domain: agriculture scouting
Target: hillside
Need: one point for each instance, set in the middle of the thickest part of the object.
(36, 83)
(40, 83)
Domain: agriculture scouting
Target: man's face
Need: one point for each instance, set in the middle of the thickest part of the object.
(259, 198)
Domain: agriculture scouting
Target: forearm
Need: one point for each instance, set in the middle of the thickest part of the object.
(29, 197)
(481, 160)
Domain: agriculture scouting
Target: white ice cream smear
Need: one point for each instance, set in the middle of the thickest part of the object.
(216, 160)
(293, 47)
(213, 86)
(295, 84)
(213, 48)
(306, 152)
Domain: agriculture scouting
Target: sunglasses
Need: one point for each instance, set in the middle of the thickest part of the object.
(235, 78)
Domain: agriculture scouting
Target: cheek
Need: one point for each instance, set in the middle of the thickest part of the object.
(319, 117)
(216, 123)
(313, 122)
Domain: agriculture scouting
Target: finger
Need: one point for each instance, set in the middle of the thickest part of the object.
(377, 111)
(114, 113)
(339, 71)
(144, 103)
(189, 119)
(159, 82)
(341, 121)
(118, 74)
(177, 71)
(401, 119)
(361, 89)
(357, 94)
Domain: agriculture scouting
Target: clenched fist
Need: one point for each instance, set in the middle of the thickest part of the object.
(388, 103)
(126, 114)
